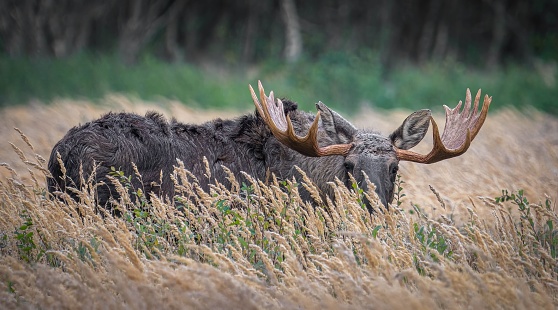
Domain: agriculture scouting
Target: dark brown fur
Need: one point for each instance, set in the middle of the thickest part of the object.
(242, 144)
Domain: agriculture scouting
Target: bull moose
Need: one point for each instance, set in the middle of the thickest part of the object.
(274, 139)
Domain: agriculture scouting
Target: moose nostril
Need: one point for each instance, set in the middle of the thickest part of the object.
(349, 165)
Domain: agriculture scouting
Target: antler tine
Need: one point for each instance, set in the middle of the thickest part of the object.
(461, 128)
(273, 114)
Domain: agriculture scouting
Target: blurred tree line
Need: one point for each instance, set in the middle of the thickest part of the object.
(481, 32)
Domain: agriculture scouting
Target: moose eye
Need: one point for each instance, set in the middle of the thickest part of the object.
(349, 165)
(393, 169)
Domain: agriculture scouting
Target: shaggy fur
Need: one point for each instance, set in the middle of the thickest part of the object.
(243, 144)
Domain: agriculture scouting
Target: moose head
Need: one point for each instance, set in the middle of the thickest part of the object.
(364, 153)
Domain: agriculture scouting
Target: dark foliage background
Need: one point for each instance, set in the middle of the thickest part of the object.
(488, 37)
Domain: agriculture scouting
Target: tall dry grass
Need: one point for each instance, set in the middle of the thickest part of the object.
(259, 245)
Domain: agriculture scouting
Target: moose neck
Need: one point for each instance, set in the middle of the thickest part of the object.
(247, 145)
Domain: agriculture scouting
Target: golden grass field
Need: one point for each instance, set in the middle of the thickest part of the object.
(449, 247)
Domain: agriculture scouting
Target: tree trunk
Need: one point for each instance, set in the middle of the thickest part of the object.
(249, 33)
(11, 28)
(37, 19)
(426, 41)
(387, 30)
(171, 33)
(441, 44)
(293, 38)
(498, 34)
(140, 24)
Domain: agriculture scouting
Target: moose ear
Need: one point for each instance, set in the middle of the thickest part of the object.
(412, 131)
(336, 127)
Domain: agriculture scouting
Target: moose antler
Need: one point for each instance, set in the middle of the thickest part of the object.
(460, 130)
(280, 124)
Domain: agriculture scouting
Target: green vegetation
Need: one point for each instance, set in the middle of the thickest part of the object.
(342, 81)
(534, 233)
(25, 242)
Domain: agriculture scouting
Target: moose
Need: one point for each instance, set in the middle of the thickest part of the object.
(272, 140)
